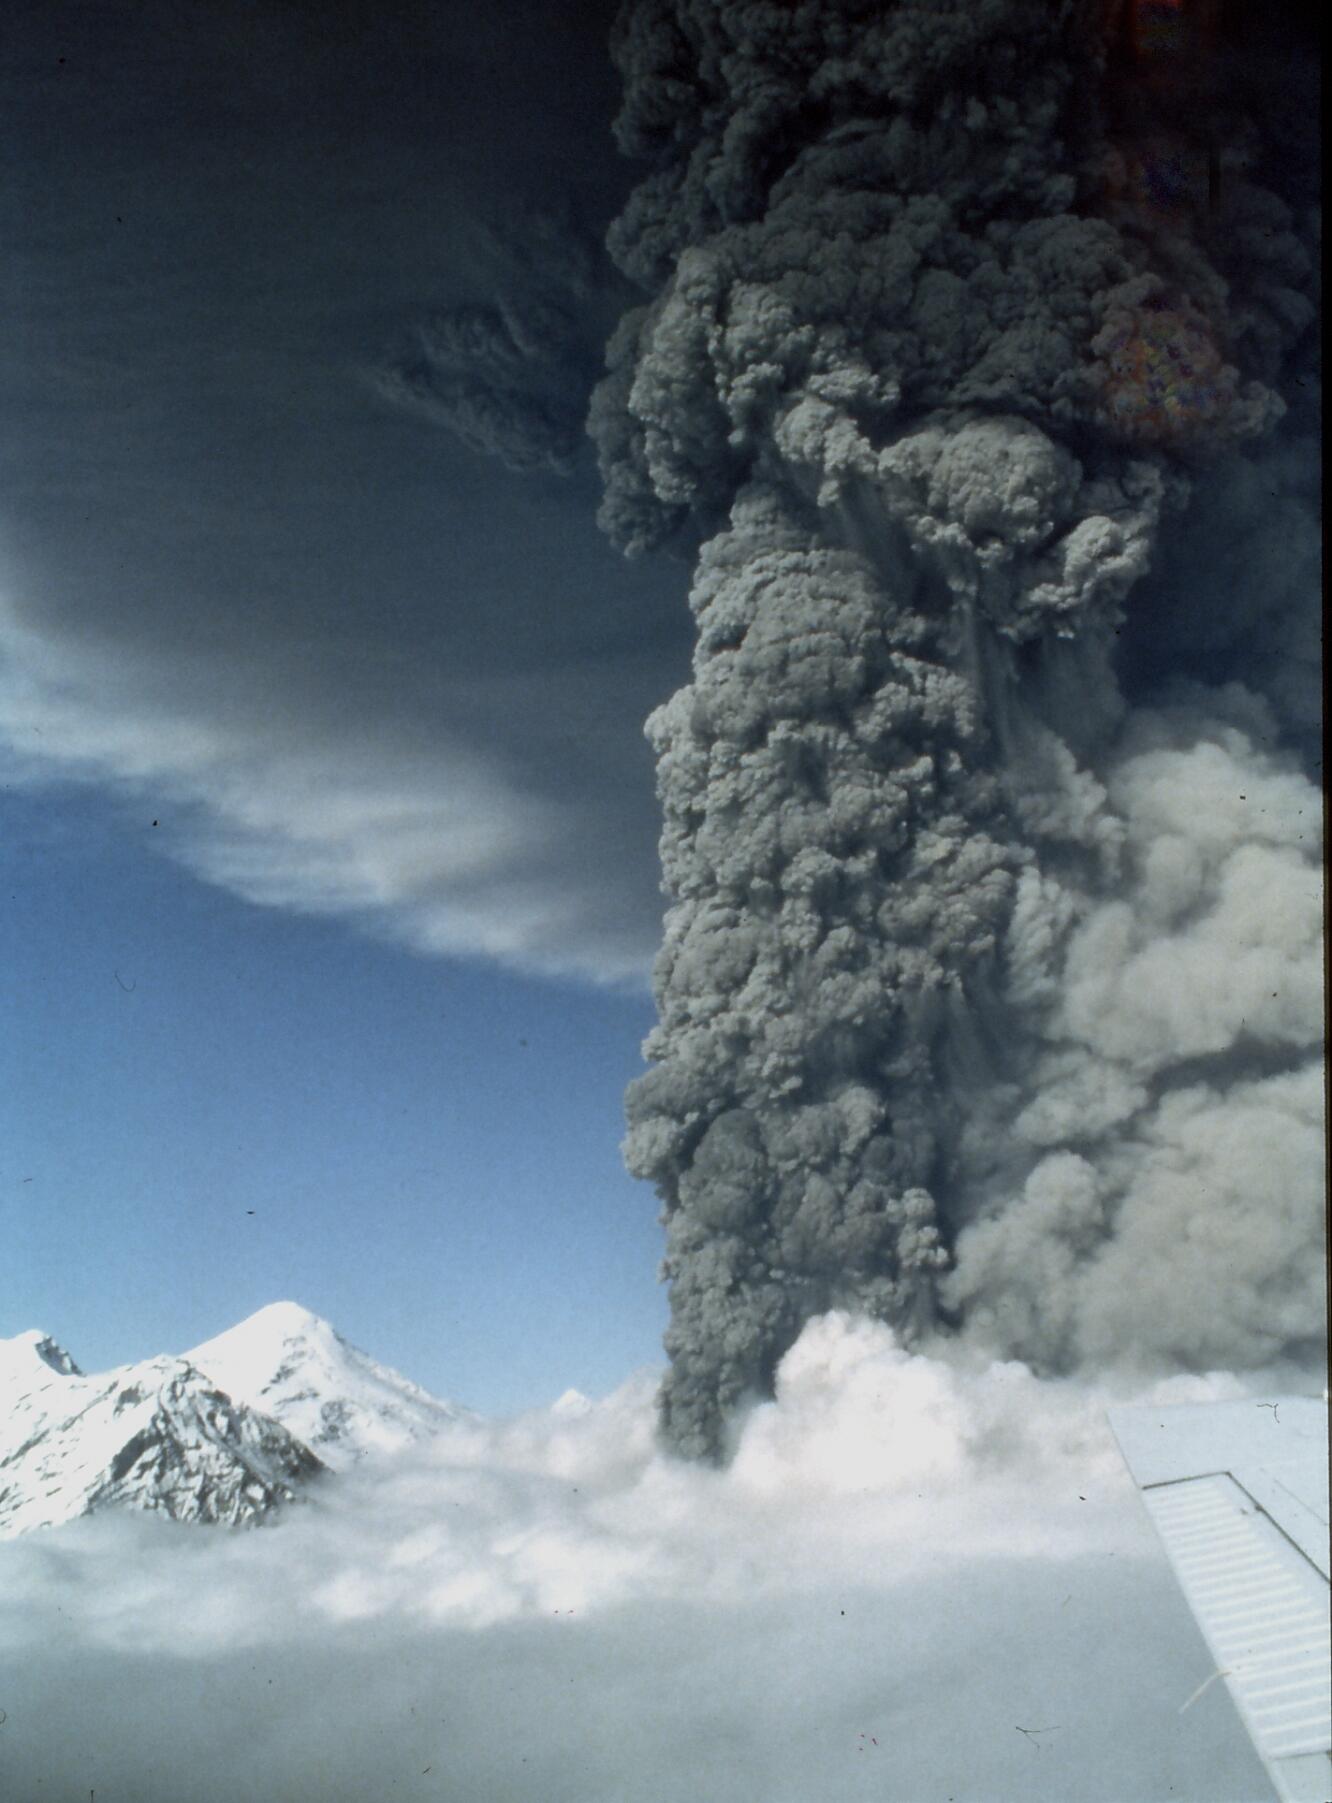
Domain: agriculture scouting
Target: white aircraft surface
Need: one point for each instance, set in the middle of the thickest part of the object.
(1238, 1492)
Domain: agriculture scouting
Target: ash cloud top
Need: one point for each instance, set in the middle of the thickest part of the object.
(992, 962)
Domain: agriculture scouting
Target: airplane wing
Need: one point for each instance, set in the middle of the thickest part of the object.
(1238, 1492)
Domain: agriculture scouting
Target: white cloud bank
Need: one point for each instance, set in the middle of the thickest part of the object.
(301, 784)
(920, 1578)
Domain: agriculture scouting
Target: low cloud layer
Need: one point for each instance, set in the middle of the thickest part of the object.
(921, 1576)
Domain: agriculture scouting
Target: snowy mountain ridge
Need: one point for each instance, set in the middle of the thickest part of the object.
(344, 1405)
(158, 1435)
(227, 1433)
(42, 1348)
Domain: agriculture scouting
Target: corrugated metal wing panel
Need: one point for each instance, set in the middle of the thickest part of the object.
(1248, 1541)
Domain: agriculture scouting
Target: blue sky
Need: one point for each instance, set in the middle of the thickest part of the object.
(429, 1146)
(328, 824)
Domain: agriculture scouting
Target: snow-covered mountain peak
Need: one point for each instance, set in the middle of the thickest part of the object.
(285, 1319)
(296, 1367)
(571, 1405)
(158, 1435)
(226, 1433)
(22, 1359)
(283, 1333)
(51, 1353)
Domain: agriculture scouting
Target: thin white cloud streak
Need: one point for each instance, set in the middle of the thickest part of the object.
(293, 801)
(909, 1560)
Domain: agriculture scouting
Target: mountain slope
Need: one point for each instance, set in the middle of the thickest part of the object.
(159, 1435)
(296, 1368)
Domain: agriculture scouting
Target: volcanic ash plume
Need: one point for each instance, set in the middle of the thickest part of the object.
(990, 991)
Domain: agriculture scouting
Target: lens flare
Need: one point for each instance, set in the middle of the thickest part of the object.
(1166, 380)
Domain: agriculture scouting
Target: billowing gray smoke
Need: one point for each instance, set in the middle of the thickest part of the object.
(990, 994)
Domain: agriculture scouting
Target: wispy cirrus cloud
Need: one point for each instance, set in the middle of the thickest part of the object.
(464, 818)
(350, 664)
